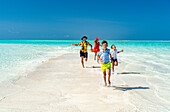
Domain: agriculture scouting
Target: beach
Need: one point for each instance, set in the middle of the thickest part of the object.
(58, 83)
(84, 56)
(62, 85)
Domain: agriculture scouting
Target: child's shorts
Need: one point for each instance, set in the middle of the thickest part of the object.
(113, 60)
(105, 66)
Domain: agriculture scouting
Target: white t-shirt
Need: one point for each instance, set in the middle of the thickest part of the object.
(113, 53)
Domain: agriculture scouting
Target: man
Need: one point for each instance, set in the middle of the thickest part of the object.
(83, 50)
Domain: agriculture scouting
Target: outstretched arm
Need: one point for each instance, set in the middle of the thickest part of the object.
(119, 51)
(75, 44)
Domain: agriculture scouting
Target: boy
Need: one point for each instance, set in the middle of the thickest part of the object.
(83, 50)
(114, 53)
(103, 56)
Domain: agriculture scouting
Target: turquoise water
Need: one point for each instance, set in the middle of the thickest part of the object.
(69, 42)
(18, 57)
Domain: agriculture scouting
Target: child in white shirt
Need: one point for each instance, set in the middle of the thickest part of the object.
(114, 53)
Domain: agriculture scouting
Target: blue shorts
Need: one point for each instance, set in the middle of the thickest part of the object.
(85, 55)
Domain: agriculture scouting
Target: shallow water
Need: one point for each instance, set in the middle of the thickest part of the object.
(18, 57)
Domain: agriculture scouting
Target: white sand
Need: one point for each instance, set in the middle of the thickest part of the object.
(62, 85)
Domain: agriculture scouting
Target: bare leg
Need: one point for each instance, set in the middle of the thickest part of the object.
(108, 72)
(116, 64)
(86, 59)
(112, 66)
(104, 76)
(82, 62)
(95, 55)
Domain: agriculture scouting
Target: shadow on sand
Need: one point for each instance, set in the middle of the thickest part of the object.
(93, 67)
(129, 73)
(129, 88)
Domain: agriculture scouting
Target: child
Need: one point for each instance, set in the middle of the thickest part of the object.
(83, 50)
(114, 53)
(96, 47)
(103, 56)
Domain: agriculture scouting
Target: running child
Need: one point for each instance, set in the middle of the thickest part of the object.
(103, 56)
(113, 59)
(83, 50)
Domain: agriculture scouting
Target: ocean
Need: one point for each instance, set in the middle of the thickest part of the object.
(19, 57)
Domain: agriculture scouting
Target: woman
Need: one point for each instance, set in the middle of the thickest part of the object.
(96, 47)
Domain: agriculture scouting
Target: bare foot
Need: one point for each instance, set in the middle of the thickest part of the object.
(105, 85)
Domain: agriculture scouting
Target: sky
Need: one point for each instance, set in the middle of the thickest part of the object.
(72, 19)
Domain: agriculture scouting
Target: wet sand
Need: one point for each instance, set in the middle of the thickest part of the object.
(62, 85)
